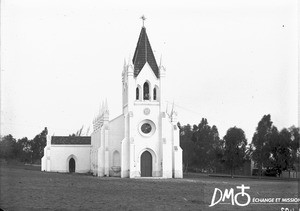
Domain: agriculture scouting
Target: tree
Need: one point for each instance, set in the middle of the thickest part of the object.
(283, 157)
(282, 151)
(235, 148)
(8, 147)
(38, 144)
(270, 148)
(295, 145)
(23, 148)
(218, 146)
(187, 145)
(206, 140)
(260, 148)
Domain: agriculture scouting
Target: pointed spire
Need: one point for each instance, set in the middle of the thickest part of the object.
(143, 53)
(100, 110)
(124, 67)
(167, 107)
(103, 108)
(173, 114)
(106, 106)
(160, 61)
(172, 111)
(167, 110)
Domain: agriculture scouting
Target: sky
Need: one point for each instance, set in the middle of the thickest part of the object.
(228, 61)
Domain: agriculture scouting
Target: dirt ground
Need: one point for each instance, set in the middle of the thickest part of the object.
(27, 188)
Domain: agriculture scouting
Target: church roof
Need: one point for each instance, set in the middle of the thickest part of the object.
(143, 53)
(76, 140)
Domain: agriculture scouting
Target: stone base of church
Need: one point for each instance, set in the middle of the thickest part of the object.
(133, 174)
(137, 174)
(125, 174)
(115, 171)
(156, 174)
(65, 171)
(100, 172)
(167, 174)
(178, 174)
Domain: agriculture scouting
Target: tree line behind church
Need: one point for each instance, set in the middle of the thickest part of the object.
(203, 149)
(24, 149)
(271, 150)
(27, 150)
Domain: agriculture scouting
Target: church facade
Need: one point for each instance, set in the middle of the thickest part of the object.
(141, 142)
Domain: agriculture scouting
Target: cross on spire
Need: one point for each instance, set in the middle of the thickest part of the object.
(143, 18)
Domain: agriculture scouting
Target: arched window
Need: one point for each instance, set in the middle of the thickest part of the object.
(154, 94)
(146, 91)
(137, 93)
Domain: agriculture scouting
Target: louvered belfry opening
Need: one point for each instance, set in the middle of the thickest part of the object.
(154, 94)
(146, 91)
(143, 53)
(137, 93)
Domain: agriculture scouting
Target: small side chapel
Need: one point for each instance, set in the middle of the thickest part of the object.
(141, 142)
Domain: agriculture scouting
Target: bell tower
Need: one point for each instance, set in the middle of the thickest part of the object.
(148, 130)
(141, 77)
(151, 137)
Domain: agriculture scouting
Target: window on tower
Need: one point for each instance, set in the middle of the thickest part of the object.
(137, 93)
(154, 94)
(146, 91)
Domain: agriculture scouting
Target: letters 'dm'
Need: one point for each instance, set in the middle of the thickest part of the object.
(230, 194)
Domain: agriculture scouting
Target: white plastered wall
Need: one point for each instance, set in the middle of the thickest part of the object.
(177, 153)
(61, 154)
(115, 137)
(46, 162)
(96, 142)
(167, 143)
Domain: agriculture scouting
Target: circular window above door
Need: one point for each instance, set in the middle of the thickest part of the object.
(146, 128)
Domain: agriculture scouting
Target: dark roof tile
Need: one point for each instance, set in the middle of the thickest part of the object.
(143, 53)
(76, 140)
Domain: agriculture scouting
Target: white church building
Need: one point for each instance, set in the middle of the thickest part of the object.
(141, 142)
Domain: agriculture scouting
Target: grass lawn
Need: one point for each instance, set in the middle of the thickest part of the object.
(27, 188)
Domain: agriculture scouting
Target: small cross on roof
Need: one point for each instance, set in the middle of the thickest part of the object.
(143, 18)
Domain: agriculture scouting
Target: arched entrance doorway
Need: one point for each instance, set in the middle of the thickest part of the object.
(146, 164)
(71, 165)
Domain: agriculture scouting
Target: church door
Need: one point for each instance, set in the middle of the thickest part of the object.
(146, 164)
(72, 165)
